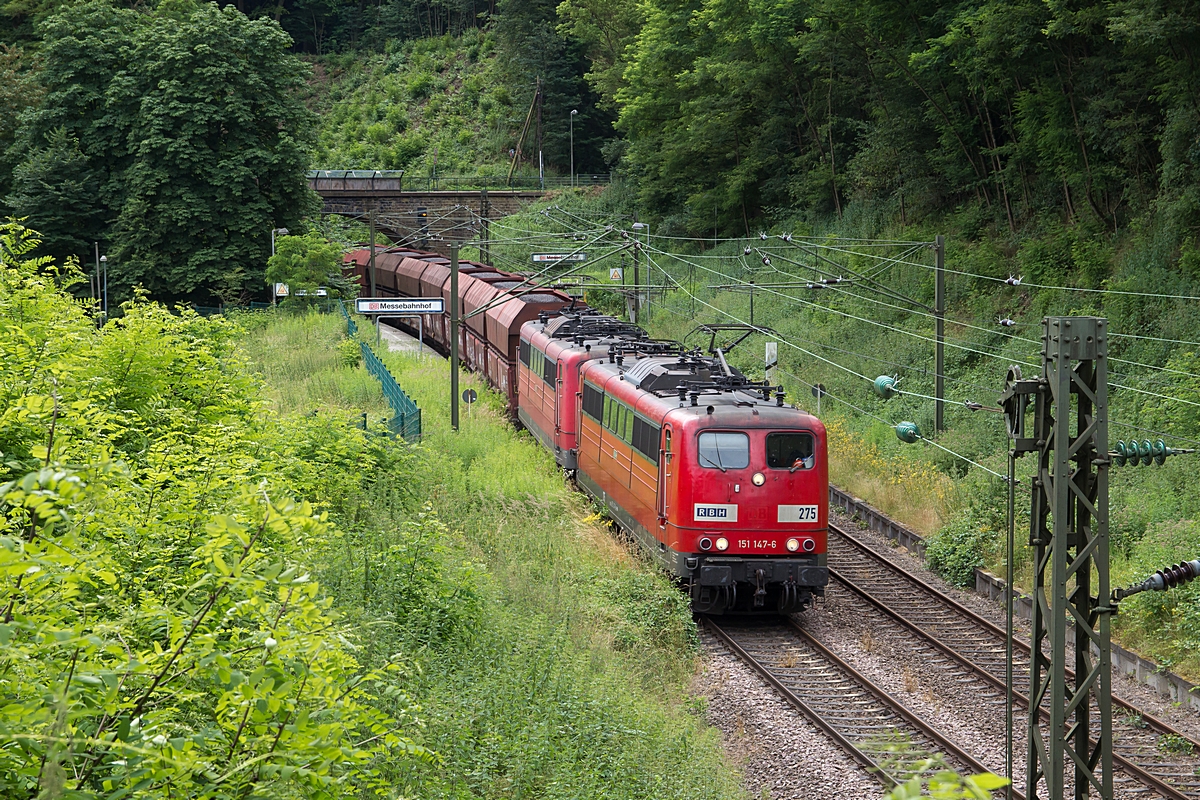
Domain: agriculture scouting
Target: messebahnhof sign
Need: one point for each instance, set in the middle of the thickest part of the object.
(539, 258)
(400, 305)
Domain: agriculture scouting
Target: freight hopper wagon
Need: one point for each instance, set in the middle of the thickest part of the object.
(720, 480)
(492, 304)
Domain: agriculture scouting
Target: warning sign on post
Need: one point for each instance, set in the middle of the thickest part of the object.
(399, 305)
(550, 258)
(616, 274)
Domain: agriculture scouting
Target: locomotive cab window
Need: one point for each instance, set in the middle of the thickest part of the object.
(724, 451)
(790, 451)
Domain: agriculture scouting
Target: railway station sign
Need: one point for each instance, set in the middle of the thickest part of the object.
(551, 258)
(400, 305)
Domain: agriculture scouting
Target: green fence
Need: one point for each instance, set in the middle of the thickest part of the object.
(406, 417)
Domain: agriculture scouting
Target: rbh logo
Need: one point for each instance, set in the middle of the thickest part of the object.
(714, 512)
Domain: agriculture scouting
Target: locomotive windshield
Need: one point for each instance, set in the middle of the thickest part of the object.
(725, 451)
(790, 451)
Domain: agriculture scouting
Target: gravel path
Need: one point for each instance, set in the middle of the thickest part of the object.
(782, 754)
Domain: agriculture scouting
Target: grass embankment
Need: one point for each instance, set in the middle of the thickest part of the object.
(427, 105)
(957, 504)
(546, 660)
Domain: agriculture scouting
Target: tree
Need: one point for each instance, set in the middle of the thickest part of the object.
(55, 189)
(305, 263)
(19, 90)
(189, 120)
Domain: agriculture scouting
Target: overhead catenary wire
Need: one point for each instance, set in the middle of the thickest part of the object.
(961, 323)
(948, 342)
(783, 340)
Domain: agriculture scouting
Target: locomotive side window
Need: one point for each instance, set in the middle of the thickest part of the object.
(791, 451)
(724, 451)
(549, 370)
(593, 402)
(645, 438)
(525, 352)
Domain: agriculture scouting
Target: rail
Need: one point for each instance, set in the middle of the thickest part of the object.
(851, 710)
(406, 415)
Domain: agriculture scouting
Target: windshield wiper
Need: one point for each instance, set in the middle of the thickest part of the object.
(716, 463)
(798, 465)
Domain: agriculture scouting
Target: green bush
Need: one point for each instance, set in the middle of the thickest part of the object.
(349, 353)
(961, 546)
(162, 633)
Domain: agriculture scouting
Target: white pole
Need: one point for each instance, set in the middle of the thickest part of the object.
(573, 113)
(104, 286)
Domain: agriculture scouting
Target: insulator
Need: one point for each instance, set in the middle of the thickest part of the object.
(766, 260)
(787, 237)
(762, 235)
(746, 250)
(1006, 322)
(1179, 574)
(885, 387)
(973, 406)
(1164, 579)
(908, 432)
(1012, 281)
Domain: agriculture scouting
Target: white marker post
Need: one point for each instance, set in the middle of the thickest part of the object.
(772, 361)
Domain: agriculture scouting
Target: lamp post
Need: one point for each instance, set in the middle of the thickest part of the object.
(573, 113)
(274, 289)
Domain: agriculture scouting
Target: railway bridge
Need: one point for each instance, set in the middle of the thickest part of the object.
(422, 213)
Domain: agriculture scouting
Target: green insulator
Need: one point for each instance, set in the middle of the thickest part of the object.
(1145, 450)
(1121, 454)
(908, 432)
(885, 387)
(1159, 451)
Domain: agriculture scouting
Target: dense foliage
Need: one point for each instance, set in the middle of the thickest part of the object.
(1015, 106)
(161, 635)
(174, 137)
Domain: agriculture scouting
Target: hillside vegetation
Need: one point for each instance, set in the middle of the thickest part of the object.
(428, 106)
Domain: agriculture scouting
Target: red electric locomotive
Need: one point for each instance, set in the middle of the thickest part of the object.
(724, 484)
(720, 481)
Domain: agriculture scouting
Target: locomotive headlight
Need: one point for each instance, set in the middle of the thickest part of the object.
(759, 479)
(722, 543)
(793, 545)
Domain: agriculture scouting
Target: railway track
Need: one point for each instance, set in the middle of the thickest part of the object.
(974, 643)
(873, 728)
